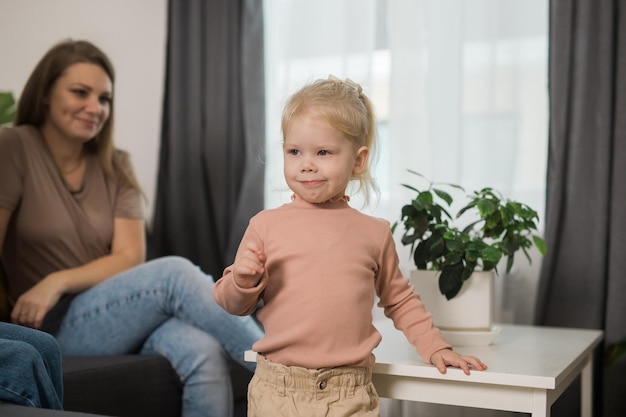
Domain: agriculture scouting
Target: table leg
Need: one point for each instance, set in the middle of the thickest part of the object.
(541, 407)
(586, 388)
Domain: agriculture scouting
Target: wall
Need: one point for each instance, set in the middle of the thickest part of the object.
(132, 33)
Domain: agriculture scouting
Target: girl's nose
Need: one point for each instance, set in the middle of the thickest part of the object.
(307, 165)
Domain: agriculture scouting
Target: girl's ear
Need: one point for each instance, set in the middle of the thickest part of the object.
(360, 163)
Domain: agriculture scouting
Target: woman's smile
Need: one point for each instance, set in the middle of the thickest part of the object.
(89, 123)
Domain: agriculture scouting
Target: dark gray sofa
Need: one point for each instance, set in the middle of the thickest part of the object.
(123, 385)
(127, 386)
(133, 386)
(12, 410)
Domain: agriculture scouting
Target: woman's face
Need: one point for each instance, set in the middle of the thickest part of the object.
(79, 102)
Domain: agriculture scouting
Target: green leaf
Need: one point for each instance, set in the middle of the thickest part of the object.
(509, 263)
(7, 107)
(493, 224)
(540, 244)
(451, 281)
(476, 246)
(436, 246)
(454, 245)
(424, 197)
(444, 196)
(530, 261)
(469, 206)
(420, 224)
(471, 256)
(449, 184)
(407, 210)
(453, 259)
(488, 266)
(418, 174)
(485, 207)
(420, 256)
(506, 215)
(409, 239)
(491, 254)
(470, 226)
(468, 270)
(410, 187)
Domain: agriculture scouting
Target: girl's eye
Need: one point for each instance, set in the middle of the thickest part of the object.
(293, 152)
(106, 100)
(323, 153)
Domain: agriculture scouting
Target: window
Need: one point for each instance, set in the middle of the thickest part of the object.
(460, 88)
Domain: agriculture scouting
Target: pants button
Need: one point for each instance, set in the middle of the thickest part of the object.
(322, 385)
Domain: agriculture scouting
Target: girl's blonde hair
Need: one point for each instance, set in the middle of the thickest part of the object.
(344, 105)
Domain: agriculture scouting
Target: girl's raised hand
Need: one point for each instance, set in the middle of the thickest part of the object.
(249, 266)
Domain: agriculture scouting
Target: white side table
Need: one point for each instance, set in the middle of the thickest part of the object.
(529, 368)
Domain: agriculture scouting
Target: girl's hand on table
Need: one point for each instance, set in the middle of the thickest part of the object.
(444, 357)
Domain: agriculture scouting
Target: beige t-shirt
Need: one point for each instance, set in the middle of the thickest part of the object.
(52, 228)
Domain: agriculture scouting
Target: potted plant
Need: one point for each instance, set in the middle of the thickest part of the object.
(497, 228)
(7, 108)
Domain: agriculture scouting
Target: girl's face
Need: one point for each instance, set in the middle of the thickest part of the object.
(318, 160)
(79, 102)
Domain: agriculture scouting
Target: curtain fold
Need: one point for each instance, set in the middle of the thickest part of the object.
(210, 179)
(582, 281)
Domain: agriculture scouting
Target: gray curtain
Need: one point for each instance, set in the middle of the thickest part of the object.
(211, 178)
(583, 278)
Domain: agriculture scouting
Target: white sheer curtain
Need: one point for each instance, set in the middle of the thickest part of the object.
(460, 88)
(304, 41)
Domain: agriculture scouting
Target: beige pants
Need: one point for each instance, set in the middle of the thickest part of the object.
(291, 391)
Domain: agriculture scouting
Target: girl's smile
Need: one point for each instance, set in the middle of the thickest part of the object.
(311, 183)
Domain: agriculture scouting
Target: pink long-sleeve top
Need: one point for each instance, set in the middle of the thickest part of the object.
(325, 262)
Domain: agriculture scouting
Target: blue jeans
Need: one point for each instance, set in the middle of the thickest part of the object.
(30, 368)
(165, 307)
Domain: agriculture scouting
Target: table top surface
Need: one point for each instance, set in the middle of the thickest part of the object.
(529, 356)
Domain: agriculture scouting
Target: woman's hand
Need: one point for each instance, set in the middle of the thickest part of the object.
(445, 357)
(32, 306)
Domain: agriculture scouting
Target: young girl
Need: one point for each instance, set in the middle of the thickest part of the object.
(315, 263)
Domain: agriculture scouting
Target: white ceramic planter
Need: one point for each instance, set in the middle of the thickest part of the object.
(471, 309)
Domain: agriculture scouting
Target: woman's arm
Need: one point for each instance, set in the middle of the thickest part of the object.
(128, 249)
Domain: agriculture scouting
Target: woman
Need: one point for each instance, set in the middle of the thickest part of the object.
(73, 245)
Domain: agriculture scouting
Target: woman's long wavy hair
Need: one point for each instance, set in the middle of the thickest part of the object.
(32, 108)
